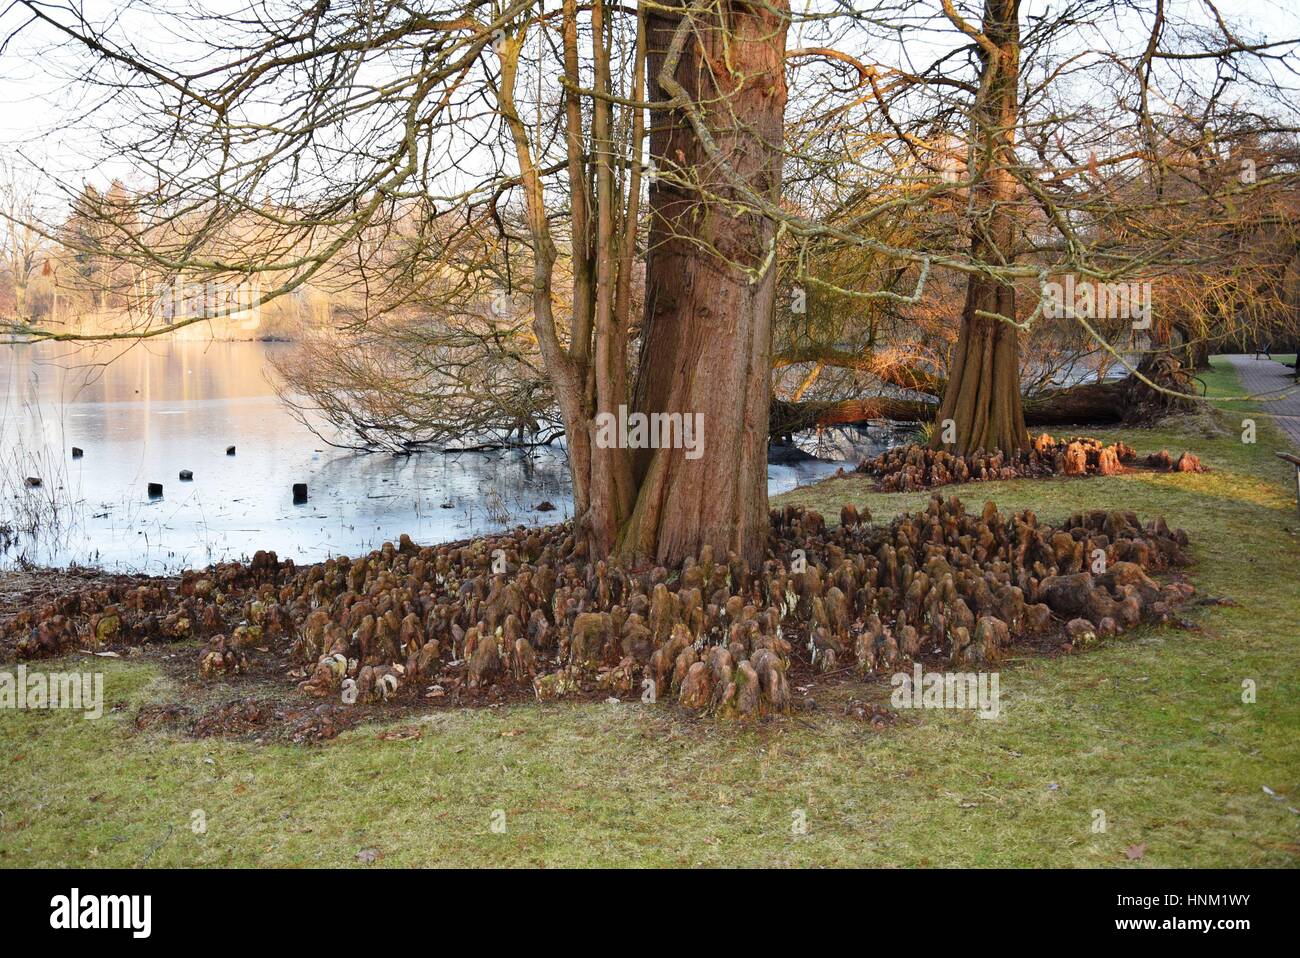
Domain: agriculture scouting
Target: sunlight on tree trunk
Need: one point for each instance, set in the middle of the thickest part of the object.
(983, 394)
(710, 286)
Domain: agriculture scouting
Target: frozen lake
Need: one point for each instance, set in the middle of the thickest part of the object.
(144, 411)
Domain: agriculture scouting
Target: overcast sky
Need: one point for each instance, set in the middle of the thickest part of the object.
(42, 107)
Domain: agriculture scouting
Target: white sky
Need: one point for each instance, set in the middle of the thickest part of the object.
(42, 107)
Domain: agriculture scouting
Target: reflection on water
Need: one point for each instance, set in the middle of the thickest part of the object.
(145, 411)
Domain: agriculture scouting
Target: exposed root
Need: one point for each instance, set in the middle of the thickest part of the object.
(407, 624)
(909, 468)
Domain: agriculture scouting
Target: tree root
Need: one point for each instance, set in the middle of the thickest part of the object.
(909, 468)
(713, 635)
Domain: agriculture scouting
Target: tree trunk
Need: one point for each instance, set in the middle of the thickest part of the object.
(982, 398)
(1200, 355)
(710, 282)
(705, 355)
(1195, 345)
(20, 296)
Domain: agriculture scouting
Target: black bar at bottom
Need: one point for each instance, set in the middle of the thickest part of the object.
(216, 907)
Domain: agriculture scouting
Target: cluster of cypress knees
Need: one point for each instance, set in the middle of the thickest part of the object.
(909, 468)
(524, 612)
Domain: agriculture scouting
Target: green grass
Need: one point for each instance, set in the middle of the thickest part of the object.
(1220, 380)
(1149, 728)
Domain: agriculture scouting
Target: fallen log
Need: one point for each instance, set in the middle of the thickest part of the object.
(787, 418)
(1085, 403)
(1088, 403)
(1127, 400)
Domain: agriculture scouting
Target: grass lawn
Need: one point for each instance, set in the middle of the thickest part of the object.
(1149, 730)
(1221, 380)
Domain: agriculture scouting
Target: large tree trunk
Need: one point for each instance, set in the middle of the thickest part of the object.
(983, 394)
(710, 284)
(706, 346)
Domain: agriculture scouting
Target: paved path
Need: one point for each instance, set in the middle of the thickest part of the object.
(1264, 377)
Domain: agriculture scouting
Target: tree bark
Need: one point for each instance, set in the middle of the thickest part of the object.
(612, 486)
(982, 398)
(710, 282)
(705, 354)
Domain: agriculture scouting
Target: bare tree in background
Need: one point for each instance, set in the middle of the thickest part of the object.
(21, 244)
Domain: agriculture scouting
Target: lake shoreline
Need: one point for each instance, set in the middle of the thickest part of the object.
(163, 414)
